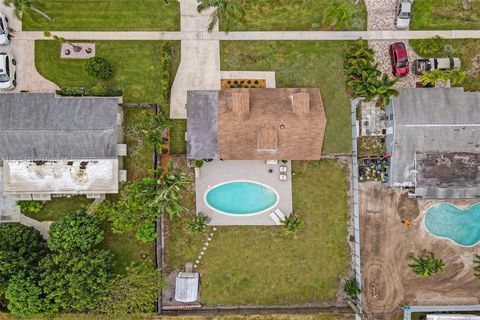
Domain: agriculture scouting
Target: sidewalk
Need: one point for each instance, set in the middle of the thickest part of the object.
(254, 35)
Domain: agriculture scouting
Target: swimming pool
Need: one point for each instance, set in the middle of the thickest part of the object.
(462, 226)
(241, 197)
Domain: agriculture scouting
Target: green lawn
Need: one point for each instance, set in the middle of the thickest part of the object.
(263, 266)
(294, 15)
(444, 15)
(466, 50)
(301, 64)
(59, 207)
(87, 15)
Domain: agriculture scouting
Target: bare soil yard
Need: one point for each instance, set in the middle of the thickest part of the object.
(387, 244)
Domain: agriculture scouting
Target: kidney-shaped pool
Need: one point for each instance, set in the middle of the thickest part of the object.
(241, 198)
(462, 226)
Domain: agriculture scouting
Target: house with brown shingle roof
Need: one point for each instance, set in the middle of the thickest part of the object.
(255, 124)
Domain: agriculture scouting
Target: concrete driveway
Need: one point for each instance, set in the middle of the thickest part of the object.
(28, 78)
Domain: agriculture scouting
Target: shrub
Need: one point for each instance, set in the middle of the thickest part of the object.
(292, 223)
(76, 231)
(351, 288)
(198, 224)
(432, 47)
(198, 163)
(26, 299)
(98, 68)
(28, 207)
(95, 91)
(476, 267)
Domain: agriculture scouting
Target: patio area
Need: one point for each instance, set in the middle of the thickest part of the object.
(217, 171)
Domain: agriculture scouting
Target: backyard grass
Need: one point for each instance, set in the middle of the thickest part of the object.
(264, 266)
(294, 15)
(466, 50)
(90, 15)
(444, 15)
(60, 207)
(317, 64)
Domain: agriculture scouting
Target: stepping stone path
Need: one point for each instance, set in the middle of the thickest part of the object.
(204, 249)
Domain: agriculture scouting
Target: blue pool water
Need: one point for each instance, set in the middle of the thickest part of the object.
(241, 197)
(460, 226)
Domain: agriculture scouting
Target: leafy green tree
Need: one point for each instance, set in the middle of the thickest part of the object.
(337, 15)
(76, 282)
(292, 223)
(198, 223)
(141, 202)
(225, 12)
(26, 297)
(426, 265)
(134, 293)
(77, 231)
(476, 265)
(98, 68)
(21, 249)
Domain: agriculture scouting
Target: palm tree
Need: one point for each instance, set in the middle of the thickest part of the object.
(225, 12)
(430, 78)
(432, 46)
(456, 76)
(426, 265)
(154, 128)
(24, 7)
(337, 15)
(386, 90)
(171, 186)
(292, 223)
(358, 50)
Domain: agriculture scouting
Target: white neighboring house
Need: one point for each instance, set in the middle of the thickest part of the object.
(59, 146)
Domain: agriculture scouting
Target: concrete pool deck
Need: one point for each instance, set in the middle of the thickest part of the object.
(215, 172)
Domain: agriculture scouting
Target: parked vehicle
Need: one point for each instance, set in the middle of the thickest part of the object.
(404, 10)
(8, 76)
(422, 65)
(4, 34)
(399, 59)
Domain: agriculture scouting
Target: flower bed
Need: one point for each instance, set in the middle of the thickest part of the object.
(243, 83)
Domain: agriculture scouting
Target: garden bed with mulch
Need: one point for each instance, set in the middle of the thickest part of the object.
(243, 83)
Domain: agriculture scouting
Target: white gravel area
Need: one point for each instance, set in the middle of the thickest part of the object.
(381, 16)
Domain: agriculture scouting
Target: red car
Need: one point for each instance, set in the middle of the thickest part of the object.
(399, 59)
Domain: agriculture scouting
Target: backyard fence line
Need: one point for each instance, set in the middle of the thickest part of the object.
(356, 218)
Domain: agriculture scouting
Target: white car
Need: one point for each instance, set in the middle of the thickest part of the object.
(8, 77)
(404, 10)
(4, 35)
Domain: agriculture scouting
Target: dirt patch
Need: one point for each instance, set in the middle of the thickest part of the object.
(387, 244)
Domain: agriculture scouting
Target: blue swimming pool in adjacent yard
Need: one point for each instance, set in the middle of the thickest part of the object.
(462, 226)
(241, 197)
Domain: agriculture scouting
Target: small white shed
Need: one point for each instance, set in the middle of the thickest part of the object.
(186, 286)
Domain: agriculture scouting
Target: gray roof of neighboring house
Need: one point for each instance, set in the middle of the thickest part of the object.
(433, 120)
(43, 126)
(202, 124)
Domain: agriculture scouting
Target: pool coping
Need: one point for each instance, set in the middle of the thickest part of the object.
(447, 238)
(241, 214)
